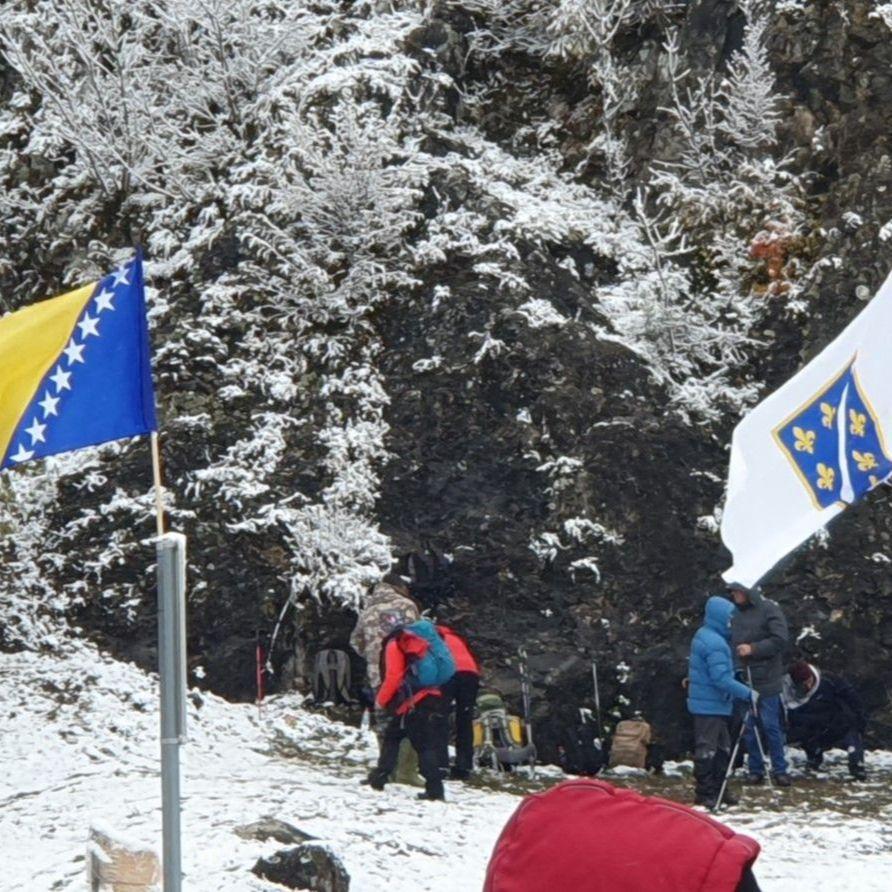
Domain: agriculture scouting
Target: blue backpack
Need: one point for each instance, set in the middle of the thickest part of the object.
(436, 667)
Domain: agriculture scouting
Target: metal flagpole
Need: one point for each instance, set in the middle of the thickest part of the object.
(171, 551)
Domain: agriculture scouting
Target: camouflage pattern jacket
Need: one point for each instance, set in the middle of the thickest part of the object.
(385, 608)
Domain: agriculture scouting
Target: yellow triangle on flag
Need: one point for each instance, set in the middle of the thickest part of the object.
(31, 341)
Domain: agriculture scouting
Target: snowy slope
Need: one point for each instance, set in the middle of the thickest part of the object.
(79, 746)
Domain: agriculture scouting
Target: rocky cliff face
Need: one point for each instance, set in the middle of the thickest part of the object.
(534, 445)
(465, 475)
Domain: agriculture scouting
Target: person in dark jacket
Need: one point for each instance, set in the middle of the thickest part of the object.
(712, 689)
(760, 640)
(421, 714)
(824, 711)
(463, 688)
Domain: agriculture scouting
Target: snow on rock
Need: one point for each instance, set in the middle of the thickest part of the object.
(80, 749)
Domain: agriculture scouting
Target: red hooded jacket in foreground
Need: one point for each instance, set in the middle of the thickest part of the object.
(587, 836)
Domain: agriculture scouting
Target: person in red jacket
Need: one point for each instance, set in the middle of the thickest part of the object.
(587, 836)
(463, 689)
(421, 714)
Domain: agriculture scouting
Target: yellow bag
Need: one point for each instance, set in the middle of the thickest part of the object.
(515, 729)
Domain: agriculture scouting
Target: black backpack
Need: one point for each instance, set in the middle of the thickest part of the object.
(581, 751)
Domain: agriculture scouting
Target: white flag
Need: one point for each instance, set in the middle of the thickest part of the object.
(813, 447)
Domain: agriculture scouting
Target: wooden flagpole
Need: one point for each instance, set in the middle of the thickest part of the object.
(159, 487)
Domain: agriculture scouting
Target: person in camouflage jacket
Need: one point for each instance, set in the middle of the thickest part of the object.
(386, 607)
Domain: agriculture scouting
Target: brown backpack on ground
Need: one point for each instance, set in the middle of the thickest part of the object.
(630, 742)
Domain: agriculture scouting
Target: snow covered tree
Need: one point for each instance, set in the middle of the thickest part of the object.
(320, 187)
(251, 151)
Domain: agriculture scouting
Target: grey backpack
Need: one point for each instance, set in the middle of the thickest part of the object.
(331, 677)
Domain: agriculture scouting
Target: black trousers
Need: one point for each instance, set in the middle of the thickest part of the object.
(748, 882)
(712, 750)
(465, 690)
(427, 727)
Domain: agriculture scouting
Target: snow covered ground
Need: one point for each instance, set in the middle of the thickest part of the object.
(79, 746)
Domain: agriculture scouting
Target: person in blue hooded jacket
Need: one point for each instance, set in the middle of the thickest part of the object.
(712, 689)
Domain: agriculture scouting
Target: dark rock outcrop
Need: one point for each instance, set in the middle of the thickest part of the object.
(308, 866)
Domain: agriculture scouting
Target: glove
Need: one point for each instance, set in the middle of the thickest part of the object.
(754, 699)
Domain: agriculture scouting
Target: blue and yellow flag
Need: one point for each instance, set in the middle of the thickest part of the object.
(75, 370)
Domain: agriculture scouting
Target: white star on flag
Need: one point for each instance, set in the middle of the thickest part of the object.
(104, 300)
(87, 325)
(74, 352)
(23, 454)
(61, 380)
(49, 404)
(36, 432)
(120, 275)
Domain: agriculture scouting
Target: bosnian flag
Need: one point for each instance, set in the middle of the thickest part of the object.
(815, 446)
(75, 370)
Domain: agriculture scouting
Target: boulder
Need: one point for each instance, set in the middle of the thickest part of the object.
(116, 866)
(272, 828)
(309, 866)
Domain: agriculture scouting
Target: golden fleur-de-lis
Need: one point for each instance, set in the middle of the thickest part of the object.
(826, 476)
(805, 440)
(859, 421)
(828, 413)
(865, 460)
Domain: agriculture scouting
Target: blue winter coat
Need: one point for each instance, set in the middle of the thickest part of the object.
(712, 687)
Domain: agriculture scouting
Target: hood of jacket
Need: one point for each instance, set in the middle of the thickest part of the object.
(793, 697)
(717, 615)
(754, 593)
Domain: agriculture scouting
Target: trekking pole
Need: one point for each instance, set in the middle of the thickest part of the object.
(275, 635)
(730, 769)
(597, 698)
(259, 670)
(762, 753)
(525, 693)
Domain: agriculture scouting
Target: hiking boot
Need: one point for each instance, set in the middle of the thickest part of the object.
(431, 797)
(858, 773)
(730, 799)
(754, 780)
(375, 781)
(461, 774)
(705, 800)
(781, 780)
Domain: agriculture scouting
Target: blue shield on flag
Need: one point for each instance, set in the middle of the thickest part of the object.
(835, 443)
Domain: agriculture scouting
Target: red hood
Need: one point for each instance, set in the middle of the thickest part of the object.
(587, 836)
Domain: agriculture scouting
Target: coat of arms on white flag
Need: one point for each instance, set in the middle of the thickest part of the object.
(813, 447)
